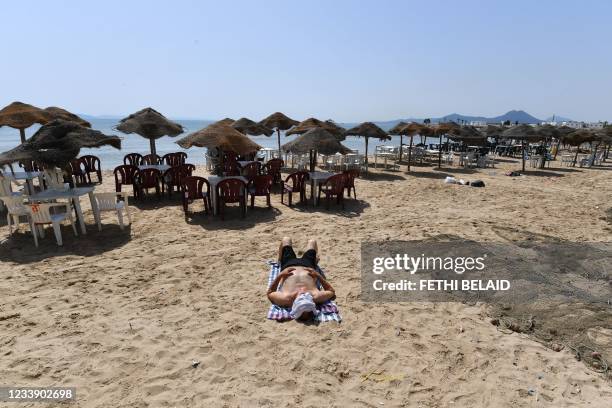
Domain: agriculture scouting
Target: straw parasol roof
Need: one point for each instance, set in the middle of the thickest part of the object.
(20, 116)
(223, 137)
(59, 113)
(149, 124)
(368, 130)
(522, 132)
(548, 131)
(249, 127)
(312, 123)
(58, 142)
(580, 136)
(444, 128)
(493, 131)
(226, 121)
(468, 135)
(279, 121)
(318, 139)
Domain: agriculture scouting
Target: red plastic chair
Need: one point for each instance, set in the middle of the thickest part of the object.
(77, 170)
(151, 160)
(260, 186)
(91, 164)
(193, 189)
(175, 159)
(273, 167)
(298, 185)
(134, 159)
(333, 187)
(147, 179)
(31, 165)
(125, 175)
(231, 168)
(173, 177)
(230, 157)
(231, 190)
(251, 170)
(350, 175)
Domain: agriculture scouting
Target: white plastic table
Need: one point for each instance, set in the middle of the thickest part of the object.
(213, 181)
(160, 167)
(317, 177)
(71, 194)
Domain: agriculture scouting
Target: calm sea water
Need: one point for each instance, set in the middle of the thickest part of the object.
(110, 157)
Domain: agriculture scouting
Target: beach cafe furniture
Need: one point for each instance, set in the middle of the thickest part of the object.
(174, 159)
(41, 216)
(135, 159)
(173, 177)
(16, 210)
(295, 183)
(91, 164)
(151, 159)
(124, 175)
(228, 190)
(260, 186)
(250, 169)
(273, 167)
(349, 181)
(332, 187)
(27, 177)
(193, 189)
(109, 202)
(386, 153)
(316, 178)
(72, 195)
(146, 179)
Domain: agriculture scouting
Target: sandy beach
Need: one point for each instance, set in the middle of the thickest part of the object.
(121, 315)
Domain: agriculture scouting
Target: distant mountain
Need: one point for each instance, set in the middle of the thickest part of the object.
(513, 116)
(557, 118)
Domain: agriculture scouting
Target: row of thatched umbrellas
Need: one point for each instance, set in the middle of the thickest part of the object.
(64, 133)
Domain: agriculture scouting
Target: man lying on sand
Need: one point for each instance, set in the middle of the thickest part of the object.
(298, 278)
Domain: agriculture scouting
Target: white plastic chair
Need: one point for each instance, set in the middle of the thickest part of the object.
(41, 216)
(54, 178)
(16, 208)
(108, 202)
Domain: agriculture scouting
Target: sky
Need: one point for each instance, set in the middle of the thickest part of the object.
(349, 61)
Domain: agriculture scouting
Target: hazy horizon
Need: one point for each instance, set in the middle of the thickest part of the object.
(348, 61)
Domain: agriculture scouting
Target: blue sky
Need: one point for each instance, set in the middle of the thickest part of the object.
(345, 60)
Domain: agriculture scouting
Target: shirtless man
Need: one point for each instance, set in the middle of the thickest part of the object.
(298, 278)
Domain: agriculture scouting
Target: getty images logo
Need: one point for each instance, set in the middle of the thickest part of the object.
(412, 264)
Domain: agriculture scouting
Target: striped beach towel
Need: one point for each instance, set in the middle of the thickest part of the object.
(328, 311)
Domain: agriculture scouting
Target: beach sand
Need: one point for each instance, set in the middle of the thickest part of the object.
(122, 315)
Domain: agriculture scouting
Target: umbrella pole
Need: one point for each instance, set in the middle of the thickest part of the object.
(152, 144)
(557, 150)
(366, 155)
(523, 152)
(401, 144)
(310, 160)
(279, 145)
(22, 134)
(440, 152)
(410, 152)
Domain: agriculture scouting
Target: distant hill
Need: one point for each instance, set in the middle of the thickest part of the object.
(513, 116)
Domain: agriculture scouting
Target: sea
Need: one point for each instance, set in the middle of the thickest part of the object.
(111, 157)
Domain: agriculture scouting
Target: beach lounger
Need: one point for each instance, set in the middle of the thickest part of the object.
(328, 311)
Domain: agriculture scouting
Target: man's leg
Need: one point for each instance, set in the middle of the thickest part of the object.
(285, 252)
(312, 253)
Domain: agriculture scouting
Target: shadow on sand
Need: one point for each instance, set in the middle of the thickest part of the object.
(20, 248)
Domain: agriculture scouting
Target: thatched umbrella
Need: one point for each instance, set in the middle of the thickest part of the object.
(57, 143)
(150, 124)
(249, 127)
(522, 132)
(368, 130)
(468, 135)
(577, 138)
(409, 129)
(21, 116)
(59, 113)
(222, 137)
(562, 131)
(225, 121)
(279, 121)
(313, 141)
(312, 123)
(493, 131)
(444, 128)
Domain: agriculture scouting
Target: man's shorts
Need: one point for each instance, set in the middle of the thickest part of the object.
(289, 258)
